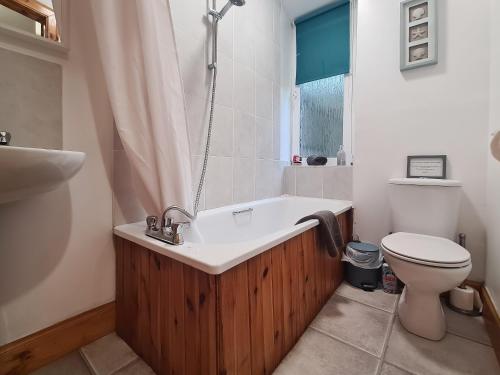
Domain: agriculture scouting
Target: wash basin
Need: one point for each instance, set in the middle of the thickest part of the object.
(28, 171)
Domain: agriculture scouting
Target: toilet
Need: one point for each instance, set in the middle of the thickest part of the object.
(422, 251)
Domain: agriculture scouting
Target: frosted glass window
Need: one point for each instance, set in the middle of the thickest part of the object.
(321, 116)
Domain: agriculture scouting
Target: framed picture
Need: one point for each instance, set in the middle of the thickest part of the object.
(418, 33)
(426, 166)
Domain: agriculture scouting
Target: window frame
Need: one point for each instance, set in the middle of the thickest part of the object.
(21, 38)
(348, 103)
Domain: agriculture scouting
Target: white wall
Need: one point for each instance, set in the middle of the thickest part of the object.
(56, 250)
(246, 160)
(493, 182)
(441, 109)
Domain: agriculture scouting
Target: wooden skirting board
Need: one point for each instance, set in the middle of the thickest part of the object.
(492, 320)
(490, 315)
(34, 351)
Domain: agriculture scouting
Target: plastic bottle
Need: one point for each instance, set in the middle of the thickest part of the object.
(341, 156)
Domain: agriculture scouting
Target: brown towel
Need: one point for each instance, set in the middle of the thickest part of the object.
(330, 234)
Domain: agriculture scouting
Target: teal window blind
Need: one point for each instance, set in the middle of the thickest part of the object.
(323, 44)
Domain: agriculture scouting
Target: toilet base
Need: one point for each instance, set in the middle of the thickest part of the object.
(422, 314)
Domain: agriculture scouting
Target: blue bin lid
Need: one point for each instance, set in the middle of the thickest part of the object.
(364, 247)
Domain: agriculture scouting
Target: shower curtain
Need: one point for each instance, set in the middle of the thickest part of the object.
(140, 63)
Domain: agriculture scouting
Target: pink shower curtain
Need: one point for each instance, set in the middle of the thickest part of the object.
(138, 53)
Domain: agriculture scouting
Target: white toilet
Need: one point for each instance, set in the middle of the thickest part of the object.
(422, 252)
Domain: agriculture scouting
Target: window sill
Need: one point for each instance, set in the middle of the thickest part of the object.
(26, 40)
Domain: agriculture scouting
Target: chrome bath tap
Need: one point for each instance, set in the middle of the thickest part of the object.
(168, 231)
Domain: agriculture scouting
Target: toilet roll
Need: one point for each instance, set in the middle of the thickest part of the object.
(495, 146)
(463, 298)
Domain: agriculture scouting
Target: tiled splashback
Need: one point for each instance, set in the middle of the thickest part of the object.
(319, 182)
(253, 92)
(31, 100)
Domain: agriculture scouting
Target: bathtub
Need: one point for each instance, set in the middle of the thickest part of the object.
(224, 237)
(236, 297)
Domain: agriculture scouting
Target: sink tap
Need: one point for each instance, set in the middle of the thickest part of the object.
(5, 137)
(168, 231)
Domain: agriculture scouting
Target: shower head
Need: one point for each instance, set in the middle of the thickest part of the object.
(228, 6)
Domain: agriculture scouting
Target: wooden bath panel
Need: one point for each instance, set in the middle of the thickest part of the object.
(244, 321)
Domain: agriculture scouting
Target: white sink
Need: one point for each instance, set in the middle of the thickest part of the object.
(29, 171)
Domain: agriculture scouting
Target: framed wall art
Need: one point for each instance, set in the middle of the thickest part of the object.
(426, 166)
(418, 33)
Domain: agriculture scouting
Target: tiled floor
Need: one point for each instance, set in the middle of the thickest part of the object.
(356, 333)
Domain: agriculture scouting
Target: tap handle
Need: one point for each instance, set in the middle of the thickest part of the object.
(176, 226)
(5, 137)
(152, 222)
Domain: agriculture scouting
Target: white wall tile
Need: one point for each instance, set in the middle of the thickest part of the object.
(197, 118)
(264, 55)
(309, 182)
(193, 63)
(263, 179)
(244, 142)
(225, 81)
(277, 181)
(222, 132)
(289, 181)
(337, 183)
(196, 168)
(190, 16)
(244, 89)
(226, 27)
(263, 97)
(244, 180)
(320, 182)
(219, 183)
(263, 138)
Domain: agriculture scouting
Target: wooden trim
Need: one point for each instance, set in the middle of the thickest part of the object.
(34, 351)
(492, 320)
(38, 12)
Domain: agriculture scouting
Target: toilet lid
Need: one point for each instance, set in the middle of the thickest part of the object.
(431, 250)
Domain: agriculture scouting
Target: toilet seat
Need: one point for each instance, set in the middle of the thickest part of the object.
(426, 250)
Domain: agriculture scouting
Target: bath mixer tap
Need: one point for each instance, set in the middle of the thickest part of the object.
(168, 231)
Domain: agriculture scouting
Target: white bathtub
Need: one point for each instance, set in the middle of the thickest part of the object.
(220, 240)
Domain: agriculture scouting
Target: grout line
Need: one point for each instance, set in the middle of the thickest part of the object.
(468, 339)
(401, 368)
(386, 343)
(342, 341)
(367, 304)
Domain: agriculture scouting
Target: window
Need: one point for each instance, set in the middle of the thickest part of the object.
(32, 16)
(322, 116)
(322, 98)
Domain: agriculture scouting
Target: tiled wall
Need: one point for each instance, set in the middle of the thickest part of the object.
(319, 182)
(252, 101)
(31, 100)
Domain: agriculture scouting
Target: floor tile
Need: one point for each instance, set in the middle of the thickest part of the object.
(452, 355)
(71, 364)
(318, 354)
(388, 369)
(469, 327)
(354, 323)
(138, 367)
(377, 298)
(107, 355)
